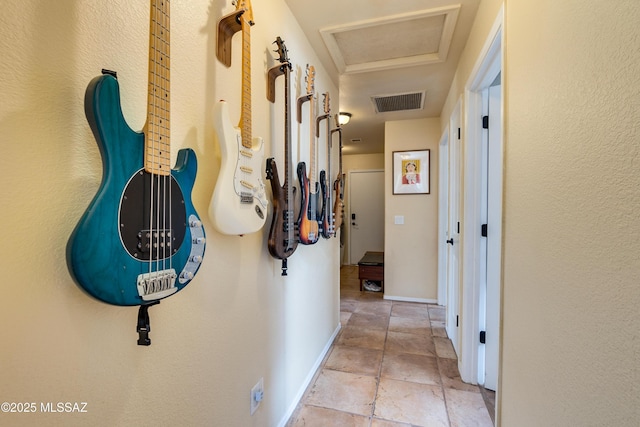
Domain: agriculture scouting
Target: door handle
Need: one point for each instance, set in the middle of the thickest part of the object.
(450, 241)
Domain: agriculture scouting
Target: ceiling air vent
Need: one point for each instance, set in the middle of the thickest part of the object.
(399, 102)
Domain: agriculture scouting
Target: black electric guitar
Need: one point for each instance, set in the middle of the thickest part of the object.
(140, 239)
(283, 235)
(326, 212)
(338, 185)
(308, 221)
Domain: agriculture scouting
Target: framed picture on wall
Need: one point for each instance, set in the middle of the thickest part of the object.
(411, 172)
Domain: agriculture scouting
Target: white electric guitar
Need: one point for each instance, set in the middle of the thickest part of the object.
(239, 202)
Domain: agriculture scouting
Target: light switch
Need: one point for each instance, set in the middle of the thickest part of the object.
(398, 219)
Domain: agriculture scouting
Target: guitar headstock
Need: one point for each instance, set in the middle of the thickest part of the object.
(311, 75)
(327, 108)
(282, 52)
(244, 5)
(336, 119)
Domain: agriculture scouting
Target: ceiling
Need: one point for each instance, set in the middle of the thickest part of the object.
(392, 60)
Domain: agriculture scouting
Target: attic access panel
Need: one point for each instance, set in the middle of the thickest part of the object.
(395, 41)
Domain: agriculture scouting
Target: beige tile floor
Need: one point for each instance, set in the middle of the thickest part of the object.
(391, 365)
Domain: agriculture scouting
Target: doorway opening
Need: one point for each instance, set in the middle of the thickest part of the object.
(449, 243)
(365, 213)
(482, 218)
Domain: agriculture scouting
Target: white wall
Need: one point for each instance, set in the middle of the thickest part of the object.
(411, 252)
(238, 320)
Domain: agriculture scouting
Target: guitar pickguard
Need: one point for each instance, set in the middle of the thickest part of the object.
(152, 216)
(239, 201)
(247, 182)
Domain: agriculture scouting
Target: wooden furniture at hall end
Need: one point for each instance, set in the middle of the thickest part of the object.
(371, 267)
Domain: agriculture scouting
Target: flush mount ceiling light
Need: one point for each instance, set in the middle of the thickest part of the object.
(343, 118)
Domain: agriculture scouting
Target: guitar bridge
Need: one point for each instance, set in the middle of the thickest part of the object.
(246, 198)
(157, 284)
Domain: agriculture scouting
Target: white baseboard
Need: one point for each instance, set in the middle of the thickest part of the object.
(409, 299)
(309, 378)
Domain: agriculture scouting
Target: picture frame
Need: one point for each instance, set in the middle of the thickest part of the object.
(411, 172)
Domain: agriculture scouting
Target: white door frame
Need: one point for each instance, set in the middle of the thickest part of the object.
(484, 72)
(443, 211)
(488, 368)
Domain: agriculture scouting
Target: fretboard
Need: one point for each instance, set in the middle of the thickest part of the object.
(245, 115)
(157, 143)
(288, 167)
(312, 149)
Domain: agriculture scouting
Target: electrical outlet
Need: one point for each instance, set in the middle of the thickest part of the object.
(257, 394)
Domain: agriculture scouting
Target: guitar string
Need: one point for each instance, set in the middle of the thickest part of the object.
(163, 102)
(158, 227)
(157, 158)
(327, 112)
(150, 144)
(313, 150)
(289, 160)
(168, 131)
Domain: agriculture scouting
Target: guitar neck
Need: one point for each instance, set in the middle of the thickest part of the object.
(288, 167)
(339, 178)
(312, 150)
(245, 115)
(157, 142)
(328, 136)
(340, 156)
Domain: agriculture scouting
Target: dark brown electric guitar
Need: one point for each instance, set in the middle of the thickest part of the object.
(283, 235)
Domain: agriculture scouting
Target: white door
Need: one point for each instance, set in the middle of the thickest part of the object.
(366, 213)
(491, 215)
(453, 233)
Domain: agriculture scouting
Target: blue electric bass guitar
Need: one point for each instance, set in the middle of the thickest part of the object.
(140, 239)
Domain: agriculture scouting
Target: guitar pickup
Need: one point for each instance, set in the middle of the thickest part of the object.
(149, 240)
(287, 222)
(245, 153)
(246, 169)
(246, 184)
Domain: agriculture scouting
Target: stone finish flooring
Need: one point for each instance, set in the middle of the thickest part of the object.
(391, 365)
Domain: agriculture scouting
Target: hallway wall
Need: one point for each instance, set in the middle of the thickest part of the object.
(571, 344)
(239, 320)
(411, 249)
